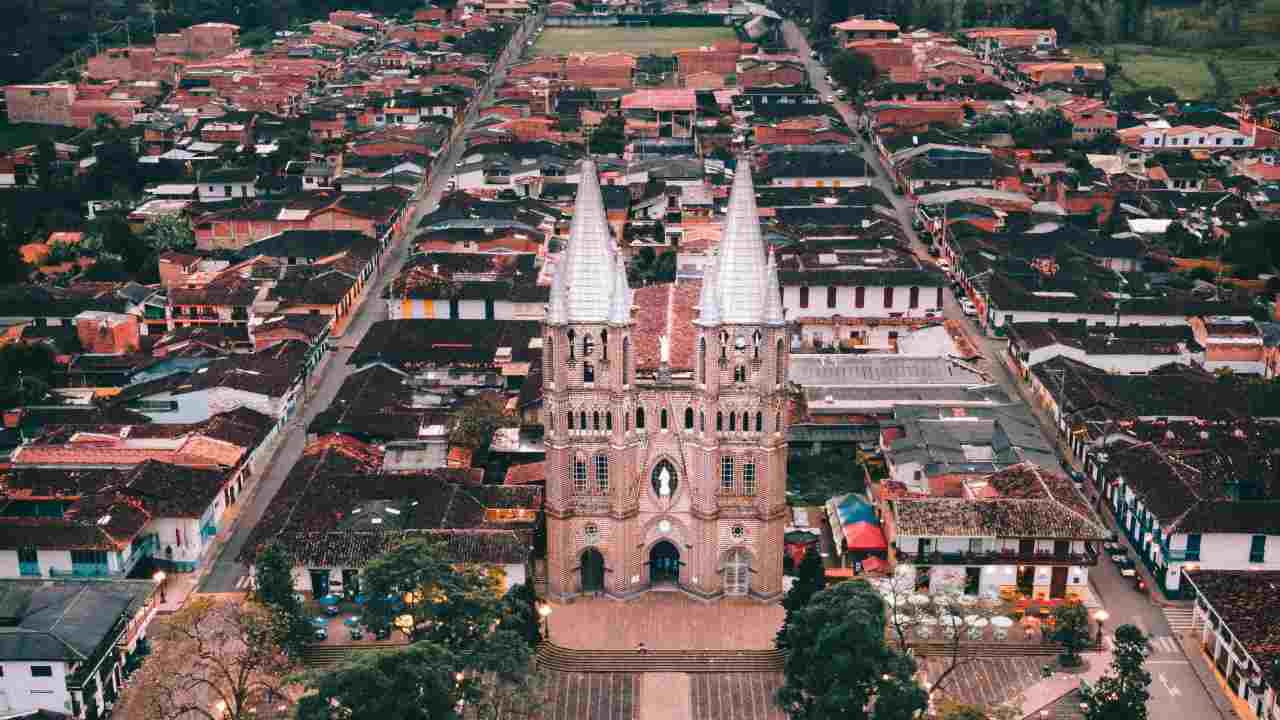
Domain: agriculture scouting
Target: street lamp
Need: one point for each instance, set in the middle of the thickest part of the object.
(544, 611)
(1100, 617)
(159, 578)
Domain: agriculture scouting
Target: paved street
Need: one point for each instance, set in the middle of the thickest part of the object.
(225, 573)
(1175, 692)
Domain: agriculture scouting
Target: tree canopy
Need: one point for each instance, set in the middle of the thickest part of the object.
(1122, 693)
(273, 587)
(853, 70)
(1071, 630)
(839, 664)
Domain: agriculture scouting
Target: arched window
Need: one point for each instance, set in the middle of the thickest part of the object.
(602, 473)
(639, 418)
(582, 420)
(719, 421)
(740, 373)
(608, 421)
(595, 421)
(570, 414)
(588, 372)
(662, 418)
(604, 343)
(777, 422)
(626, 360)
(780, 372)
(702, 360)
(755, 344)
(733, 422)
(688, 418)
(759, 421)
(571, 351)
(749, 478)
(626, 421)
(746, 422)
(702, 421)
(588, 345)
(551, 420)
(551, 349)
(831, 297)
(724, 344)
(579, 475)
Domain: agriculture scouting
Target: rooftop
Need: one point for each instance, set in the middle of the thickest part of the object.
(64, 620)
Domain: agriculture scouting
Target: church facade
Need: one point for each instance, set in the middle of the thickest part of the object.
(665, 416)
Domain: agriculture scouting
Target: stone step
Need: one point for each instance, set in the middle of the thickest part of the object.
(992, 649)
(555, 657)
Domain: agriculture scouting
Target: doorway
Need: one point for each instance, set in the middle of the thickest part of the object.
(664, 564)
(1058, 583)
(592, 571)
(320, 583)
(737, 572)
(972, 580)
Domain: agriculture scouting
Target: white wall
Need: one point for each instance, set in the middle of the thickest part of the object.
(24, 692)
(1222, 551)
(166, 529)
(873, 301)
(1120, 364)
(218, 191)
(1093, 319)
(832, 182)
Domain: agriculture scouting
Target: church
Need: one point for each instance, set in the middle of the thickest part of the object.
(665, 411)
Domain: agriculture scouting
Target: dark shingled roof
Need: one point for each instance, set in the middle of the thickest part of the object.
(64, 620)
(354, 549)
(1246, 603)
(411, 344)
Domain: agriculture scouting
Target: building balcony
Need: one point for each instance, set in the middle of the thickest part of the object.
(1001, 557)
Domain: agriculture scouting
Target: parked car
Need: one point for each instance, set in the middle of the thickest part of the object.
(968, 308)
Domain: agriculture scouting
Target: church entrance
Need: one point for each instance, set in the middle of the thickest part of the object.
(592, 570)
(664, 564)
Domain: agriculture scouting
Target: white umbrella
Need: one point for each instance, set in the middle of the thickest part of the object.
(968, 600)
(1001, 621)
(951, 620)
(919, 599)
(975, 621)
(928, 620)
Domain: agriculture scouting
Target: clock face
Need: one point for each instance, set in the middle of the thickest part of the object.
(664, 526)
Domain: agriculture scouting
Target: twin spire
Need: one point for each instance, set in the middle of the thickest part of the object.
(739, 288)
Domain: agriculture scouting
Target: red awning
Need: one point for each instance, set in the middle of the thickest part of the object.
(864, 537)
(873, 564)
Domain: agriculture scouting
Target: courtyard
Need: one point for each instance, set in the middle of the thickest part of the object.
(665, 621)
(638, 41)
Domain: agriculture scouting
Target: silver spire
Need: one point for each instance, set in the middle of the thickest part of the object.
(773, 314)
(709, 299)
(620, 304)
(584, 276)
(740, 270)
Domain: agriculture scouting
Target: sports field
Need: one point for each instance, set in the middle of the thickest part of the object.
(638, 40)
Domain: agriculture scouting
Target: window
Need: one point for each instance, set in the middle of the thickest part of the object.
(804, 296)
(733, 422)
(913, 299)
(662, 418)
(88, 557)
(570, 423)
(602, 473)
(740, 373)
(888, 297)
(488, 309)
(588, 345)
(454, 311)
(41, 671)
(738, 532)
(1258, 549)
(746, 422)
(749, 478)
(831, 297)
(702, 360)
(639, 418)
(588, 372)
(726, 473)
(780, 369)
(582, 421)
(608, 421)
(859, 297)
(719, 421)
(579, 476)
(688, 418)
(571, 350)
(759, 421)
(626, 360)
(939, 300)
(591, 534)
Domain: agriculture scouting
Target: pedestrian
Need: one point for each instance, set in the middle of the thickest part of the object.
(640, 648)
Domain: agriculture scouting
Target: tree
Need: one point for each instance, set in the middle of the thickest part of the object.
(45, 158)
(26, 371)
(1071, 629)
(273, 587)
(811, 578)
(419, 682)
(475, 423)
(853, 70)
(414, 587)
(1122, 693)
(951, 710)
(169, 232)
(211, 655)
(839, 665)
(520, 613)
(610, 137)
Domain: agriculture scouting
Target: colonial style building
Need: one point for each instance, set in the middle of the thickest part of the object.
(668, 468)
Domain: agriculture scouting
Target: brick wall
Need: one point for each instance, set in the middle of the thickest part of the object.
(108, 333)
(41, 104)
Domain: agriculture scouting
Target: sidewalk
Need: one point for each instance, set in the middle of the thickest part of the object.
(1050, 689)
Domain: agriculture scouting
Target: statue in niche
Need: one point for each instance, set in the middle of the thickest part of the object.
(664, 480)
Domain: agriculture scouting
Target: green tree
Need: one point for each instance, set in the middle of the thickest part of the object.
(45, 159)
(854, 71)
(419, 682)
(416, 589)
(811, 578)
(610, 137)
(1071, 630)
(1122, 693)
(273, 587)
(26, 371)
(475, 423)
(840, 666)
(520, 614)
(169, 232)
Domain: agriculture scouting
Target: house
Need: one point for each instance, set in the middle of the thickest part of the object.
(1193, 496)
(871, 387)
(989, 40)
(860, 28)
(826, 283)
(227, 184)
(474, 286)
(223, 298)
(453, 353)
(1236, 620)
(1045, 73)
(927, 449)
(1020, 531)
(814, 166)
(1230, 343)
(1129, 350)
(202, 40)
(63, 643)
(332, 527)
(660, 113)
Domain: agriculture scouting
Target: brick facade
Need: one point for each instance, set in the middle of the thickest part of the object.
(682, 422)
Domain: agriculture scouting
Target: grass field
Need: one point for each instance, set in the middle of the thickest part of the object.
(1187, 71)
(640, 41)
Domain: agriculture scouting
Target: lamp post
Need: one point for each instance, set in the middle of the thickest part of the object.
(544, 611)
(159, 578)
(1100, 617)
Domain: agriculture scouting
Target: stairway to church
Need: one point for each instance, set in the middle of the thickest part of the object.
(554, 657)
(992, 649)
